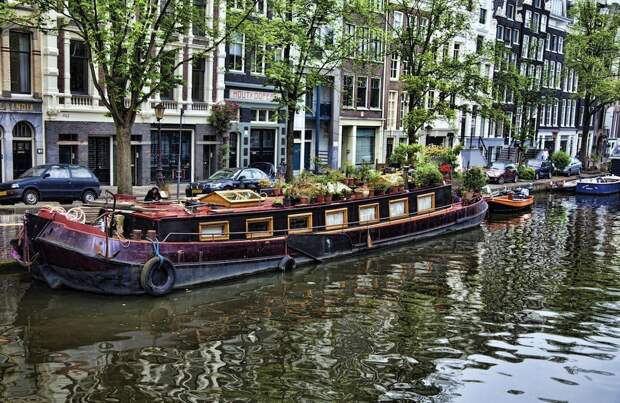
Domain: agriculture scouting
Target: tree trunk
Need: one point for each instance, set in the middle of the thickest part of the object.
(122, 160)
(585, 129)
(411, 131)
(290, 139)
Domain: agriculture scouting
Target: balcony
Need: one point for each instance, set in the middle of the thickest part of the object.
(81, 100)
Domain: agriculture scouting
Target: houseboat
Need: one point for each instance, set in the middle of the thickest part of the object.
(155, 248)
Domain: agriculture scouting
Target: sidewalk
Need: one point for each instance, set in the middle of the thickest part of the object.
(543, 185)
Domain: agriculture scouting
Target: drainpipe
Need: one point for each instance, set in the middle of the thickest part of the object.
(317, 124)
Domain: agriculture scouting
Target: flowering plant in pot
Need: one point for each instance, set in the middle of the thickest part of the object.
(474, 180)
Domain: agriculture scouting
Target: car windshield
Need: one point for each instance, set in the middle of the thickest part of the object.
(224, 174)
(33, 172)
(498, 165)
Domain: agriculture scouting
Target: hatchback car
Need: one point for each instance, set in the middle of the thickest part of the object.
(228, 178)
(53, 182)
(543, 169)
(574, 167)
(500, 172)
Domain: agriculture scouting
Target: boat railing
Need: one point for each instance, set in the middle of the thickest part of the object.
(281, 232)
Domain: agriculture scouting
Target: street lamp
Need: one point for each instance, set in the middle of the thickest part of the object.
(159, 115)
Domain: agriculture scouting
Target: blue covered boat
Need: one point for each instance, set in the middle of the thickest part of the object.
(603, 185)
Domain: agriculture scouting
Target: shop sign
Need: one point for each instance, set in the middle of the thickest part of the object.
(19, 106)
(252, 96)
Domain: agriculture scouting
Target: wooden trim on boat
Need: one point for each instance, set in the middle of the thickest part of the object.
(432, 195)
(213, 237)
(377, 218)
(259, 234)
(406, 210)
(345, 221)
(300, 230)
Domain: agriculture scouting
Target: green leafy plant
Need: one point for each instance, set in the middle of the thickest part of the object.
(527, 173)
(560, 160)
(427, 175)
(406, 154)
(474, 180)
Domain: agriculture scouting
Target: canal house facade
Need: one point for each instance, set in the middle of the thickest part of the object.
(21, 120)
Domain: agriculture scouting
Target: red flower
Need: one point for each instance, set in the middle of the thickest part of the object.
(445, 168)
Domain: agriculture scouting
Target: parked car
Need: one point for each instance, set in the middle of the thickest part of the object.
(228, 178)
(574, 167)
(500, 172)
(53, 182)
(544, 169)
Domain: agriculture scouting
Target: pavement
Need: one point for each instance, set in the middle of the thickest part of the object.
(544, 185)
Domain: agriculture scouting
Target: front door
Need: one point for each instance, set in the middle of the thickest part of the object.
(208, 160)
(99, 158)
(262, 145)
(136, 157)
(22, 156)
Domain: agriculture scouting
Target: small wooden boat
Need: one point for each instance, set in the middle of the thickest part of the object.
(156, 248)
(510, 203)
(602, 185)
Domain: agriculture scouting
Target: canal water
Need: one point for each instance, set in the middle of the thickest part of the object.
(523, 309)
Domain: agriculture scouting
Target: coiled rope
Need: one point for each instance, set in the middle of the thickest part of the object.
(75, 214)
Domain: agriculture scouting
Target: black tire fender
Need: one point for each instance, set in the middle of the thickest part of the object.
(287, 263)
(147, 280)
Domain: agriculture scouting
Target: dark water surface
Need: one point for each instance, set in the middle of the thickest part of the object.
(523, 309)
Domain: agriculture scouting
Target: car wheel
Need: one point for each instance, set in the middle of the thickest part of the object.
(88, 197)
(500, 180)
(30, 197)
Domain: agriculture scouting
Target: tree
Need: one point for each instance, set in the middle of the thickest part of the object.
(592, 50)
(440, 79)
(301, 48)
(524, 91)
(132, 46)
(220, 118)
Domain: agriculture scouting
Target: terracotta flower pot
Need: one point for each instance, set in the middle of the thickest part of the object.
(371, 192)
(320, 199)
(379, 192)
(328, 198)
(304, 200)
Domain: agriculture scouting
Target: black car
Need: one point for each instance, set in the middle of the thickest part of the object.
(228, 178)
(544, 169)
(53, 182)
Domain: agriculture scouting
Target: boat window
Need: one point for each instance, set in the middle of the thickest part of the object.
(369, 213)
(399, 208)
(259, 227)
(426, 202)
(214, 231)
(300, 223)
(336, 219)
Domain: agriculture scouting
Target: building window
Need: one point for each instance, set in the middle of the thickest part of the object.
(500, 33)
(399, 208)
(261, 7)
(265, 115)
(456, 51)
(214, 231)
(528, 19)
(347, 92)
(78, 67)
(166, 90)
(360, 95)
(479, 43)
(543, 23)
(234, 57)
(483, 16)
(394, 67)
(375, 92)
(560, 44)
(300, 223)
(19, 43)
(398, 20)
(391, 123)
(257, 62)
(199, 17)
(336, 219)
(376, 47)
(404, 107)
(510, 11)
(259, 227)
(198, 79)
(515, 36)
(426, 202)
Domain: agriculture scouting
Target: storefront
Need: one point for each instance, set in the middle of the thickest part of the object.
(21, 137)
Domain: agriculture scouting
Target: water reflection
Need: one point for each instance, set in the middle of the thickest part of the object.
(526, 307)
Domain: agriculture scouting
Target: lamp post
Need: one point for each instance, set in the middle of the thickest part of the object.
(159, 114)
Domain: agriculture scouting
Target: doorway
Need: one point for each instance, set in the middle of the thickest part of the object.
(262, 145)
(22, 148)
(136, 163)
(209, 158)
(99, 158)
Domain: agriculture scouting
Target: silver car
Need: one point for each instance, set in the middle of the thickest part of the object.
(573, 168)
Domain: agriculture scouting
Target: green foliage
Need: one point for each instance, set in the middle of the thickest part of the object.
(560, 160)
(443, 155)
(474, 180)
(592, 50)
(438, 85)
(527, 173)
(427, 175)
(406, 154)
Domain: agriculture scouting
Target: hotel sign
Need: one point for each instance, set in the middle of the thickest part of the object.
(252, 96)
(19, 106)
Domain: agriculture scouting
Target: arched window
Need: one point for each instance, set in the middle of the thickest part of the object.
(23, 130)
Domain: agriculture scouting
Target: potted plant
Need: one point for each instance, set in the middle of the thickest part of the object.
(277, 187)
(426, 175)
(372, 180)
(349, 172)
(473, 182)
